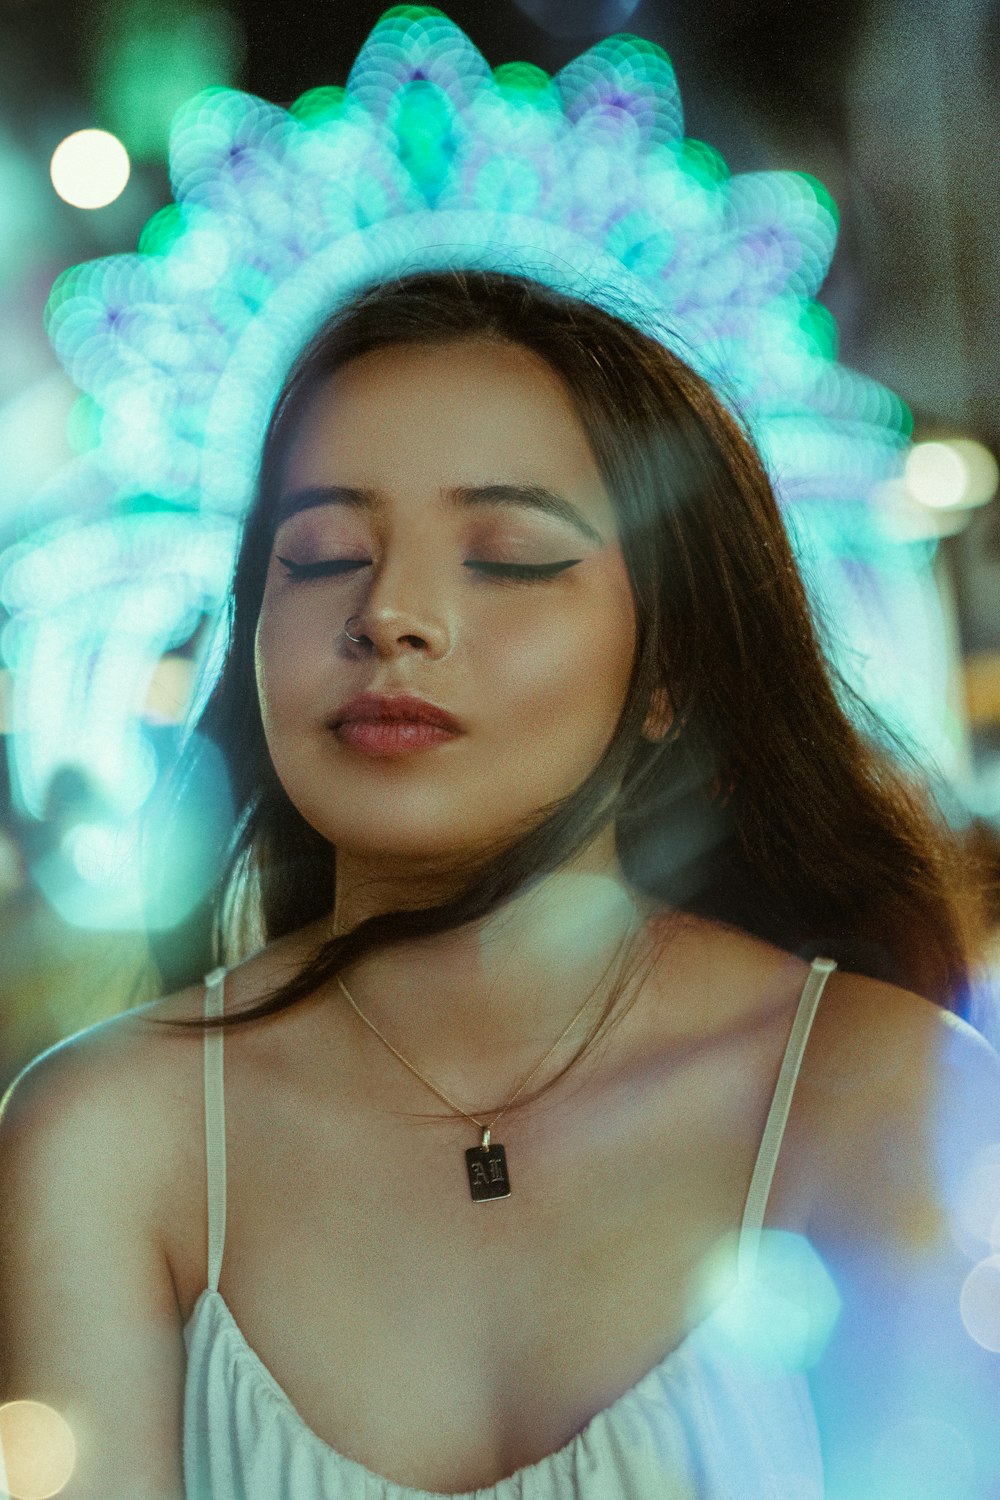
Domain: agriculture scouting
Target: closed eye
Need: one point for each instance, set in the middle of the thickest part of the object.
(526, 572)
(320, 569)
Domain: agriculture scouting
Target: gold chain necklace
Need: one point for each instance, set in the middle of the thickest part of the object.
(486, 1164)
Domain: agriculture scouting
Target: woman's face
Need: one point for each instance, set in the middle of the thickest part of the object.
(397, 475)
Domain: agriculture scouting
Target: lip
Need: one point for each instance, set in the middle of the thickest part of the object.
(394, 708)
(391, 737)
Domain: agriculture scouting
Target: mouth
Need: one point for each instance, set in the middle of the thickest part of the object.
(390, 737)
(394, 708)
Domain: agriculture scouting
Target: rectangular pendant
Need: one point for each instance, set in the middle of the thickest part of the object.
(487, 1168)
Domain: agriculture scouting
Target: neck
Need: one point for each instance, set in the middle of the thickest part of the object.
(476, 1008)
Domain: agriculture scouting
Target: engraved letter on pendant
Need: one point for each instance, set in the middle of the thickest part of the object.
(487, 1170)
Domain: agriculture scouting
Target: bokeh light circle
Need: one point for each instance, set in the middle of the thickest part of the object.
(981, 468)
(937, 475)
(776, 1310)
(90, 168)
(980, 1303)
(39, 1449)
(975, 1217)
(95, 852)
(923, 1458)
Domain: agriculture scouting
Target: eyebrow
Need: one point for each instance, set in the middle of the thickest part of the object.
(527, 496)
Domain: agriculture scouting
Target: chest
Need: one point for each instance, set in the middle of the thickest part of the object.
(445, 1343)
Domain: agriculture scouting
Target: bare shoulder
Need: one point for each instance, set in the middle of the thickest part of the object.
(880, 1043)
(133, 1084)
(108, 1103)
(896, 1131)
(90, 1323)
(137, 1069)
(102, 1067)
(899, 1099)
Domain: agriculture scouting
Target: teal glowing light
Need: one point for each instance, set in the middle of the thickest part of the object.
(427, 157)
(779, 1311)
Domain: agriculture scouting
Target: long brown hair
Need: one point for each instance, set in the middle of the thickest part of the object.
(784, 805)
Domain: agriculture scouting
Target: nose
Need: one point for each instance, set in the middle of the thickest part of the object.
(390, 632)
(398, 609)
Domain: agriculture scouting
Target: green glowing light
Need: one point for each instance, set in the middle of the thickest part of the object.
(83, 425)
(412, 13)
(523, 78)
(161, 231)
(150, 56)
(320, 105)
(423, 126)
(820, 328)
(25, 197)
(705, 164)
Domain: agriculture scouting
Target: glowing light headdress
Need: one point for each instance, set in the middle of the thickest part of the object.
(427, 158)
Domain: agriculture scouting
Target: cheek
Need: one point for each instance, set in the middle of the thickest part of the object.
(263, 657)
(574, 673)
(280, 668)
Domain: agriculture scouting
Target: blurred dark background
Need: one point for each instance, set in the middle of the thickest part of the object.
(891, 104)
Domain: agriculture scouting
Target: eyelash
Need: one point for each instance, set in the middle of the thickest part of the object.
(512, 572)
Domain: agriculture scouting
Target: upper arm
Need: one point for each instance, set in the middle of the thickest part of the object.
(910, 1381)
(89, 1321)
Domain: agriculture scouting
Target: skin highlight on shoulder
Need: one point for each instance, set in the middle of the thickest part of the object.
(888, 1077)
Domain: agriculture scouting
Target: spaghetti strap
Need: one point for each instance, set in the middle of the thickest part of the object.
(215, 1128)
(777, 1117)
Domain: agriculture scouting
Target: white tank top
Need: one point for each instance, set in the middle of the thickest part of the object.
(710, 1421)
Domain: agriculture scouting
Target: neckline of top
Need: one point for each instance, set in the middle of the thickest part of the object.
(677, 1356)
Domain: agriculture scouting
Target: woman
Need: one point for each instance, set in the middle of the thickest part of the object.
(592, 907)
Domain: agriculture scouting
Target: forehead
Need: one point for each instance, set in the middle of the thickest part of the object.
(467, 412)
